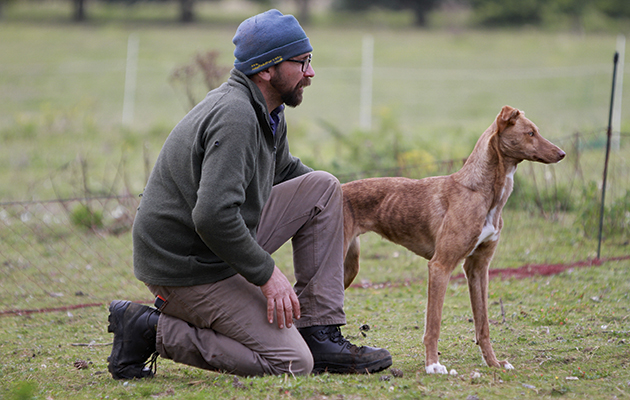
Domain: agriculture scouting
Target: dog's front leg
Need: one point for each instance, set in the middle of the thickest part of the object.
(476, 269)
(439, 276)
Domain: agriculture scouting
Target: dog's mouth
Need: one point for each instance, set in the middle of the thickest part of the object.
(554, 160)
(550, 156)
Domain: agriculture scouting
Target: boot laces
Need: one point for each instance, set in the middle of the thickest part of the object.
(334, 333)
(151, 363)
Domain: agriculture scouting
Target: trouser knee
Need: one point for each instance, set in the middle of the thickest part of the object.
(327, 185)
(324, 178)
(301, 364)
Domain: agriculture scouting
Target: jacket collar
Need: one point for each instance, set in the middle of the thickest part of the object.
(258, 100)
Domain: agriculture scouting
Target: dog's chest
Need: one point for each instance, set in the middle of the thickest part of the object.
(491, 230)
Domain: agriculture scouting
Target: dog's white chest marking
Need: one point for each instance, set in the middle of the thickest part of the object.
(509, 181)
(490, 231)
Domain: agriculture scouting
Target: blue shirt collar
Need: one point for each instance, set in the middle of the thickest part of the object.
(274, 118)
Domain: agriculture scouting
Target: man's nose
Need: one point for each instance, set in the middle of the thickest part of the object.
(310, 72)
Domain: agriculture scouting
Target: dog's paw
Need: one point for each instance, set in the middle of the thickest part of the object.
(436, 368)
(506, 365)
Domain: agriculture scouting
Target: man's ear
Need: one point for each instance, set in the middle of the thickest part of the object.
(507, 117)
(265, 75)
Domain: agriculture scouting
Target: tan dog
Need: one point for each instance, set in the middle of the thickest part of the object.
(447, 219)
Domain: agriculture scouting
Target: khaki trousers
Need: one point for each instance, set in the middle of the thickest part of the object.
(223, 326)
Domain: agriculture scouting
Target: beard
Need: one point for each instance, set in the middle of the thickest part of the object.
(291, 96)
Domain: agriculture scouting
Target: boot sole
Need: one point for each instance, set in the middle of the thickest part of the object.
(114, 307)
(373, 367)
(117, 310)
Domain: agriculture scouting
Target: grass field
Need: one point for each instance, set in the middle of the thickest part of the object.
(566, 335)
(434, 92)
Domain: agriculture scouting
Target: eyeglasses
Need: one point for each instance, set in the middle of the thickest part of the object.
(305, 63)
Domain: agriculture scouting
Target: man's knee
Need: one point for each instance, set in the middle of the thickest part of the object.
(326, 184)
(324, 178)
(300, 363)
(303, 365)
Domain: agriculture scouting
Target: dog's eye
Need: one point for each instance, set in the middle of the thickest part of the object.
(531, 133)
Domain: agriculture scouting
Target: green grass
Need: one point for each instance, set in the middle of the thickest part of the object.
(49, 263)
(574, 325)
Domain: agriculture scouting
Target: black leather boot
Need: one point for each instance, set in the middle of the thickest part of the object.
(134, 327)
(333, 353)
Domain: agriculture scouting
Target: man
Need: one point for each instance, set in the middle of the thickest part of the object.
(224, 194)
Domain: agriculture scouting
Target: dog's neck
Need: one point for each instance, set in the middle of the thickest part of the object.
(488, 170)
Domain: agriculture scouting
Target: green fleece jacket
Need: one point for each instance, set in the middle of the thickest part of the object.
(199, 212)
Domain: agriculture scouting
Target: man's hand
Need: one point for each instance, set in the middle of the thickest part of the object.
(281, 297)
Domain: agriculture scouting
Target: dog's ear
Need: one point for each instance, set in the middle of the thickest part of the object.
(507, 117)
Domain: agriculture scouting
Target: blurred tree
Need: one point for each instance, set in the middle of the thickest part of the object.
(186, 8)
(520, 12)
(615, 8)
(575, 9)
(79, 10)
(187, 13)
(303, 9)
(509, 12)
(420, 8)
(4, 4)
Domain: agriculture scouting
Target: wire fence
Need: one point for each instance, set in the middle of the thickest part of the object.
(68, 253)
(54, 256)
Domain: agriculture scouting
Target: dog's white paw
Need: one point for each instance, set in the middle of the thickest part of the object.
(436, 368)
(507, 365)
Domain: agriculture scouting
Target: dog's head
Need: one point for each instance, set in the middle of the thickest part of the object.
(520, 139)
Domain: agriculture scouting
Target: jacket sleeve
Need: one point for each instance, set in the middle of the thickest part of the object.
(227, 168)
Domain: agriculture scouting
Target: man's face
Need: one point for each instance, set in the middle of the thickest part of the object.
(289, 78)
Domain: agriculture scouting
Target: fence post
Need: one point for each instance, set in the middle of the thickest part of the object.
(616, 131)
(608, 136)
(131, 72)
(367, 72)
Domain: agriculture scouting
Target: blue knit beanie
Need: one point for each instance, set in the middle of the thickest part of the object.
(267, 39)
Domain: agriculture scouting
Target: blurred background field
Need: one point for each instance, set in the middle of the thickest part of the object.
(434, 91)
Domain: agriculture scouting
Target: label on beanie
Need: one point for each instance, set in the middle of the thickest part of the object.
(273, 61)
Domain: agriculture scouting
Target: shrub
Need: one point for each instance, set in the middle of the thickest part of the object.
(548, 200)
(83, 216)
(616, 221)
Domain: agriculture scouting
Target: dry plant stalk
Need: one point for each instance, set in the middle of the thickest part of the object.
(204, 64)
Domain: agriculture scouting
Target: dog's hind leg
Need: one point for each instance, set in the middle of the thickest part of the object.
(439, 276)
(351, 262)
(476, 269)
